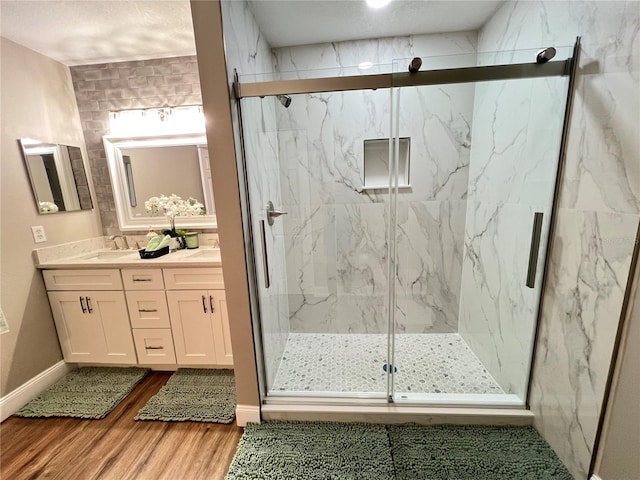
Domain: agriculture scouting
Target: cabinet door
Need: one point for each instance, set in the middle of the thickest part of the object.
(220, 320)
(114, 329)
(77, 328)
(192, 327)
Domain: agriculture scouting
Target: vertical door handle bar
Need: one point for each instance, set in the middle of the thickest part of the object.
(211, 304)
(84, 310)
(265, 260)
(89, 309)
(534, 249)
(204, 305)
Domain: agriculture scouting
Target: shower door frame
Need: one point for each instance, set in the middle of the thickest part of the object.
(391, 81)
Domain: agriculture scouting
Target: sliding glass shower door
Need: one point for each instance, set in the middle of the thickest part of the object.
(321, 264)
(400, 230)
(471, 232)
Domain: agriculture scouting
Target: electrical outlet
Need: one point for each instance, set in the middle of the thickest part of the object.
(38, 234)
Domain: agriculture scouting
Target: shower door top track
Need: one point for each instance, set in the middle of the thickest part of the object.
(445, 76)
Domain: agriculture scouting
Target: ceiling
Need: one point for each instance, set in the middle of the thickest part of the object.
(286, 22)
(86, 32)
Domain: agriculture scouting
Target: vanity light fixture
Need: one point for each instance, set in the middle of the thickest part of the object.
(378, 3)
(157, 121)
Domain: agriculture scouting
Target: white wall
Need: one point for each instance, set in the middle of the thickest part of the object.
(37, 102)
(599, 210)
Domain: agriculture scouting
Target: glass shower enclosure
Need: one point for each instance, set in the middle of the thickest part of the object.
(399, 225)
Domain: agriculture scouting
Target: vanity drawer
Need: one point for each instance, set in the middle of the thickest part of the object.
(148, 309)
(193, 278)
(142, 279)
(154, 346)
(97, 279)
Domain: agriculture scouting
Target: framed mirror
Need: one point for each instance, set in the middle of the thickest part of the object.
(57, 175)
(145, 167)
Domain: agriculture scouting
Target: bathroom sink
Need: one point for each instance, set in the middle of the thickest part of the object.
(107, 255)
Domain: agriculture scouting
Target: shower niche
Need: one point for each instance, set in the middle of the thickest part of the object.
(376, 163)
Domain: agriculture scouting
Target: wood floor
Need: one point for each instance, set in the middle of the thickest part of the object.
(117, 447)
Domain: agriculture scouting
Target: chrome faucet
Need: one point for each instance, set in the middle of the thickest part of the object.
(125, 244)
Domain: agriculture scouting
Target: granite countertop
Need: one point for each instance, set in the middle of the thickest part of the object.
(92, 254)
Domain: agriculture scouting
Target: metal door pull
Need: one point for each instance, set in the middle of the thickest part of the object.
(533, 250)
(272, 213)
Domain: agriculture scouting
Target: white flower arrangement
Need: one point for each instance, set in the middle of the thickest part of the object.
(48, 207)
(173, 206)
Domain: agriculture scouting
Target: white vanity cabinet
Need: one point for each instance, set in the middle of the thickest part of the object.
(149, 316)
(198, 316)
(90, 313)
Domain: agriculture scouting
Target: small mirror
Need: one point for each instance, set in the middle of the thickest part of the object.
(57, 175)
(145, 167)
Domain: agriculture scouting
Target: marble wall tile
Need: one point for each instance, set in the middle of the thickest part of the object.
(588, 274)
(497, 310)
(602, 171)
(321, 142)
(429, 253)
(339, 58)
(248, 52)
(101, 88)
(601, 200)
(517, 128)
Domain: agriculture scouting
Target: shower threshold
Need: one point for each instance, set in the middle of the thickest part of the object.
(394, 413)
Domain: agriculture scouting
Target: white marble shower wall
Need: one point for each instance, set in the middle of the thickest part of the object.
(517, 127)
(599, 211)
(336, 232)
(248, 52)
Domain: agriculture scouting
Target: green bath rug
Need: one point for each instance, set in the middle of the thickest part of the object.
(193, 394)
(89, 392)
(470, 452)
(312, 451)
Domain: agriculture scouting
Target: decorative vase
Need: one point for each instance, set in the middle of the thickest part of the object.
(174, 244)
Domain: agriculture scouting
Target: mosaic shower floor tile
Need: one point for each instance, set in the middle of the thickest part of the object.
(425, 363)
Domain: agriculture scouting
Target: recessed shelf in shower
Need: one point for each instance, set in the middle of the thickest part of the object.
(376, 163)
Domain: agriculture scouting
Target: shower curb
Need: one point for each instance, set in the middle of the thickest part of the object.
(398, 414)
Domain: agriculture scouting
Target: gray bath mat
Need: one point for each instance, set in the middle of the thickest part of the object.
(90, 392)
(469, 452)
(312, 451)
(193, 394)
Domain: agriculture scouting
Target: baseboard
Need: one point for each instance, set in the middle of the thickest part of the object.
(594, 477)
(15, 400)
(246, 414)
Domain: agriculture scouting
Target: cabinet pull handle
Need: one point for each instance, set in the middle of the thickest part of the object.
(211, 304)
(84, 310)
(89, 309)
(204, 305)
(147, 310)
(533, 250)
(154, 348)
(142, 279)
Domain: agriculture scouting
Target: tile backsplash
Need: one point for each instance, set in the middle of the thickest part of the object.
(101, 88)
